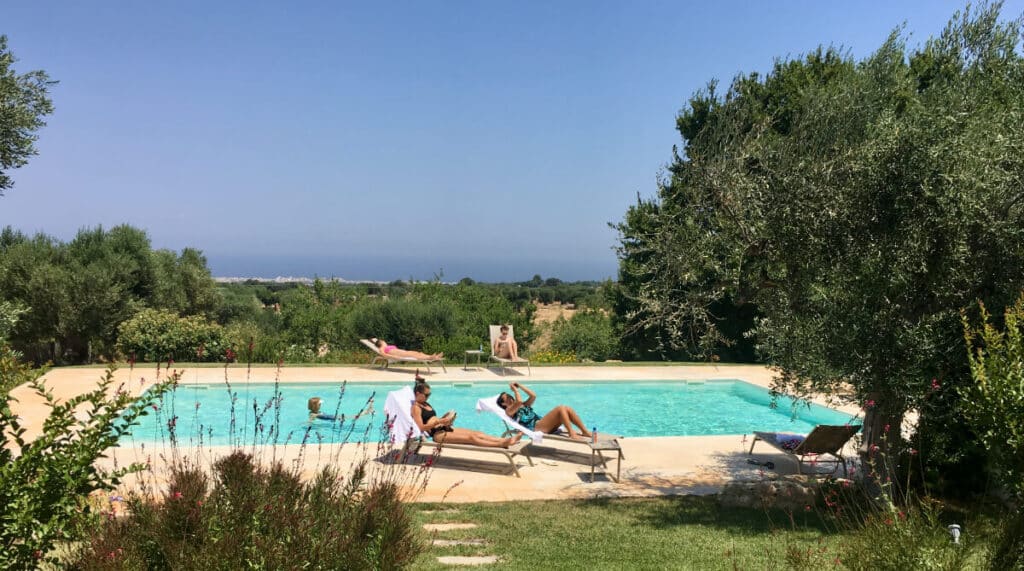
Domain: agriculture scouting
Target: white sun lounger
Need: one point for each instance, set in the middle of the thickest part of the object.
(537, 437)
(404, 432)
(495, 331)
(386, 359)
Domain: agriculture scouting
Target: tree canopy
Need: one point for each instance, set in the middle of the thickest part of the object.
(859, 205)
(76, 294)
(24, 102)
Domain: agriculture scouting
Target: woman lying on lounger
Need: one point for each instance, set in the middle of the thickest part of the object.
(394, 351)
(522, 412)
(441, 429)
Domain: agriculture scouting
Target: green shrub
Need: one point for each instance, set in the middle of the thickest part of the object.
(589, 335)
(155, 335)
(913, 537)
(406, 323)
(258, 518)
(995, 410)
(45, 481)
(349, 356)
(454, 347)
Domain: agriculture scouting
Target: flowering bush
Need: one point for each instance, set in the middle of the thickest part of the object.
(551, 356)
(256, 517)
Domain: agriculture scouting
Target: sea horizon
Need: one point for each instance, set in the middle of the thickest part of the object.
(226, 268)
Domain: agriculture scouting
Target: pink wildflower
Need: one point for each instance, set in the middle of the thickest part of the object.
(176, 495)
(870, 403)
(935, 384)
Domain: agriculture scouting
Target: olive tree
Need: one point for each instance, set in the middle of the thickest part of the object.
(24, 102)
(859, 205)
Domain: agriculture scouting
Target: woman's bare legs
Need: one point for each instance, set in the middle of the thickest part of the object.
(476, 438)
(415, 354)
(564, 416)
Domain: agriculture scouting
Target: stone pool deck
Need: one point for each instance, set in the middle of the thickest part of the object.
(652, 466)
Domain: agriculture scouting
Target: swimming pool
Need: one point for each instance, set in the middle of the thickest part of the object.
(202, 413)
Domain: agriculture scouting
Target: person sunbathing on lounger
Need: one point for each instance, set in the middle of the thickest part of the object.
(505, 346)
(394, 351)
(441, 429)
(523, 413)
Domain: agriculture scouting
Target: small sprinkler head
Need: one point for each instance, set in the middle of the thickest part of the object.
(954, 532)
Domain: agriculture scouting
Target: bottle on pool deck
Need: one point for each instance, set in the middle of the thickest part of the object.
(593, 434)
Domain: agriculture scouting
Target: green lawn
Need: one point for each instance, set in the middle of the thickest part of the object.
(686, 532)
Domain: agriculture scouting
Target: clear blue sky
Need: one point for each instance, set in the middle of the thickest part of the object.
(387, 140)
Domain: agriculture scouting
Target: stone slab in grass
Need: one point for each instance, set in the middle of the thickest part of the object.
(468, 561)
(447, 526)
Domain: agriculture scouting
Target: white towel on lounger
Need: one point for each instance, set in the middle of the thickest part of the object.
(398, 415)
(491, 405)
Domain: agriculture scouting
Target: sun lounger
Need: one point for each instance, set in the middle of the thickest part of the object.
(822, 440)
(387, 359)
(495, 331)
(404, 432)
(490, 404)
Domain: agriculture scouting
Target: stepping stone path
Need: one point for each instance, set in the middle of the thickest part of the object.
(457, 560)
(447, 526)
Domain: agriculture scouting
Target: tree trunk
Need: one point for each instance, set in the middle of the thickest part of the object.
(880, 447)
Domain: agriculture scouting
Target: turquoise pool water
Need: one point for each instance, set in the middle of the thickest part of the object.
(203, 413)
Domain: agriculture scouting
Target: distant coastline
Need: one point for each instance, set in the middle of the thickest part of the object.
(289, 280)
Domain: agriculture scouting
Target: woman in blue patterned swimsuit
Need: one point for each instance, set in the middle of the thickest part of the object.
(523, 413)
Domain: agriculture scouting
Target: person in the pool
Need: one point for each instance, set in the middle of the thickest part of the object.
(440, 427)
(394, 351)
(314, 411)
(522, 412)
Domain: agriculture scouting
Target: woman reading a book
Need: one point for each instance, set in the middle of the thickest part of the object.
(440, 427)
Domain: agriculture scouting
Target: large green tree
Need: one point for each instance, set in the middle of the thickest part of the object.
(860, 205)
(78, 293)
(24, 102)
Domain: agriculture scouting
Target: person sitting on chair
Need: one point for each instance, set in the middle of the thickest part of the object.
(441, 429)
(394, 351)
(505, 346)
(523, 413)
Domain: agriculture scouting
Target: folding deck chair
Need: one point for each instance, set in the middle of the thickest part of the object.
(495, 331)
(823, 439)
